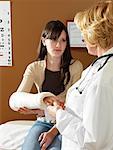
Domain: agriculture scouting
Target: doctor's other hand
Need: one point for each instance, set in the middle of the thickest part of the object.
(27, 111)
(51, 110)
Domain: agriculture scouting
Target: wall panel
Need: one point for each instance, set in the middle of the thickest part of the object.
(28, 19)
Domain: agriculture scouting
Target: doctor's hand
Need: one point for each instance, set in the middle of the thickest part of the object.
(27, 111)
(52, 110)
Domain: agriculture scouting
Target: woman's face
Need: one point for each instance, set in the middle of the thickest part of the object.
(56, 48)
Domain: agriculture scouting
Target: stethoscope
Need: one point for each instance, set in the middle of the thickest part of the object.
(104, 56)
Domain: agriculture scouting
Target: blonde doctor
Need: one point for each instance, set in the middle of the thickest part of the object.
(86, 122)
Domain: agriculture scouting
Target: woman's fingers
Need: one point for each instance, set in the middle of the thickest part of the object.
(44, 146)
(48, 100)
(42, 139)
(53, 101)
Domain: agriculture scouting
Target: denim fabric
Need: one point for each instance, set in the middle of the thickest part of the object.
(31, 140)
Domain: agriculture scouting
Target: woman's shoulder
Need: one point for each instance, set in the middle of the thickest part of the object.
(36, 64)
(76, 64)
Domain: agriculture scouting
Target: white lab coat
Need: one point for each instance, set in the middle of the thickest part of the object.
(87, 121)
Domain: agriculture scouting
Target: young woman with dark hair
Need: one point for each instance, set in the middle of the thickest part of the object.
(53, 72)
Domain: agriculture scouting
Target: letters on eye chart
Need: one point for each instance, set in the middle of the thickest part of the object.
(5, 34)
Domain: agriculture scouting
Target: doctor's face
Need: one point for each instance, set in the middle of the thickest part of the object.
(92, 49)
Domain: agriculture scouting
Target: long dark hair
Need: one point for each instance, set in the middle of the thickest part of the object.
(51, 31)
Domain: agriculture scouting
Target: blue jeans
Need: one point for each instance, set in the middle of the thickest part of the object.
(31, 140)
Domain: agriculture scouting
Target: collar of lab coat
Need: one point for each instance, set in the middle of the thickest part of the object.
(100, 62)
(108, 51)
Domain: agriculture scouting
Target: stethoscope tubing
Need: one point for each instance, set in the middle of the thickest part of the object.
(103, 56)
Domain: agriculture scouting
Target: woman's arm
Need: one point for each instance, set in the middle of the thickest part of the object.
(31, 101)
(28, 79)
(22, 100)
(76, 70)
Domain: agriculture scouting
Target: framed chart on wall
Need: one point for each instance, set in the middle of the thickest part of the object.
(74, 35)
(5, 34)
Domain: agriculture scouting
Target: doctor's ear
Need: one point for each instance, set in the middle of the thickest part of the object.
(43, 41)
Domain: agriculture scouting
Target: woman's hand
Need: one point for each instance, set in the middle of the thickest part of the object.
(53, 104)
(50, 100)
(27, 111)
(46, 138)
(53, 101)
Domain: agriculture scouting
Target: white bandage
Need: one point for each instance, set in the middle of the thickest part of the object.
(29, 100)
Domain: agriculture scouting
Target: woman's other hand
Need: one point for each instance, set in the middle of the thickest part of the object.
(46, 138)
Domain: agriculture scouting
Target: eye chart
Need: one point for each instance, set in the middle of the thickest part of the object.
(5, 34)
(74, 35)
